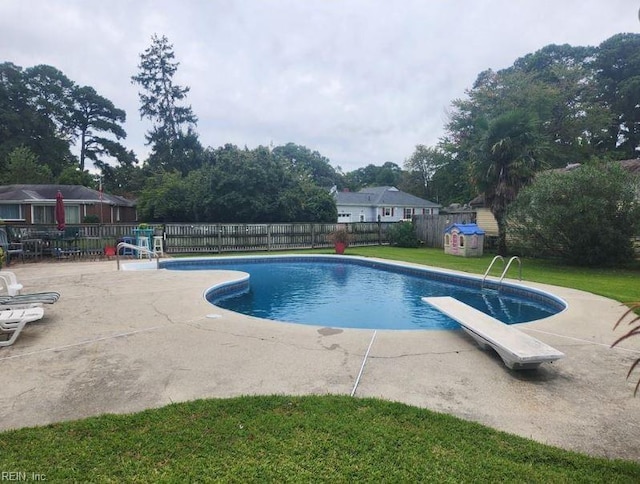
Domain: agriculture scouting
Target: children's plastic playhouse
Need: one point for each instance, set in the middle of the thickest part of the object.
(466, 240)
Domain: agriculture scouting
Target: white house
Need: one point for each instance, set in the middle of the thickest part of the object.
(384, 204)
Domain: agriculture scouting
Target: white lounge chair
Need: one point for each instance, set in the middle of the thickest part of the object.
(35, 298)
(10, 282)
(518, 350)
(14, 297)
(13, 321)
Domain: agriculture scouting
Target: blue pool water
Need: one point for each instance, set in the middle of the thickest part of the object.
(347, 293)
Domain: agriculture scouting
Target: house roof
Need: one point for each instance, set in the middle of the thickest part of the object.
(477, 202)
(47, 193)
(465, 229)
(382, 197)
(457, 208)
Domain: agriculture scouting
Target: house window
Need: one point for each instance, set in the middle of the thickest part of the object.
(462, 241)
(447, 239)
(386, 211)
(10, 212)
(44, 214)
(72, 214)
(344, 215)
(408, 213)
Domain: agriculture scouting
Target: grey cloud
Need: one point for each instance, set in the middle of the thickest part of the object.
(360, 81)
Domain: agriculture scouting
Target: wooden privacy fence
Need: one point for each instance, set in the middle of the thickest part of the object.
(430, 228)
(90, 240)
(189, 238)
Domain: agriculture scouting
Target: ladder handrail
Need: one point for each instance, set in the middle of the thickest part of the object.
(490, 266)
(515, 257)
(139, 248)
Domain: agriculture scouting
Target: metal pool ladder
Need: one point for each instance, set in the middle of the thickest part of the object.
(486, 273)
(142, 249)
(515, 257)
(504, 272)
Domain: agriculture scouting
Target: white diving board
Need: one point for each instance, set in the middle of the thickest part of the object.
(518, 350)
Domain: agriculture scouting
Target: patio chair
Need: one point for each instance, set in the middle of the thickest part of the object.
(11, 282)
(12, 249)
(67, 243)
(13, 321)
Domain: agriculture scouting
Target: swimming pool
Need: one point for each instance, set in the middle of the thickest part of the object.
(356, 292)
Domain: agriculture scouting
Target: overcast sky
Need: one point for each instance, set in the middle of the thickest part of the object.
(360, 81)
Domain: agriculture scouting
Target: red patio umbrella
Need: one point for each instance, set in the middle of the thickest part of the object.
(60, 211)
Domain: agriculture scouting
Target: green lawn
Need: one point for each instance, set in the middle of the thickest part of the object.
(315, 438)
(293, 439)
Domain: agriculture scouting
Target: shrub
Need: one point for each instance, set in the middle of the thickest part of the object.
(91, 219)
(403, 234)
(586, 216)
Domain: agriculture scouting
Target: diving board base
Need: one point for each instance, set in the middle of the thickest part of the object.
(518, 350)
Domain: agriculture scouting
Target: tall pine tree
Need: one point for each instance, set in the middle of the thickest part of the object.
(160, 102)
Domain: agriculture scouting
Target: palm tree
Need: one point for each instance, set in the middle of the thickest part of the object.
(506, 160)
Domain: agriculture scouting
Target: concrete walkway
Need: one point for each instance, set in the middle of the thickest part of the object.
(120, 342)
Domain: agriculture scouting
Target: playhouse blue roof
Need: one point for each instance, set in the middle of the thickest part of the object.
(466, 229)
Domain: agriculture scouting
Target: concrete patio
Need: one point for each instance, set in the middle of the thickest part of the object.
(124, 341)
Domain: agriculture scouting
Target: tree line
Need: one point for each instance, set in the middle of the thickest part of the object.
(560, 105)
(44, 114)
